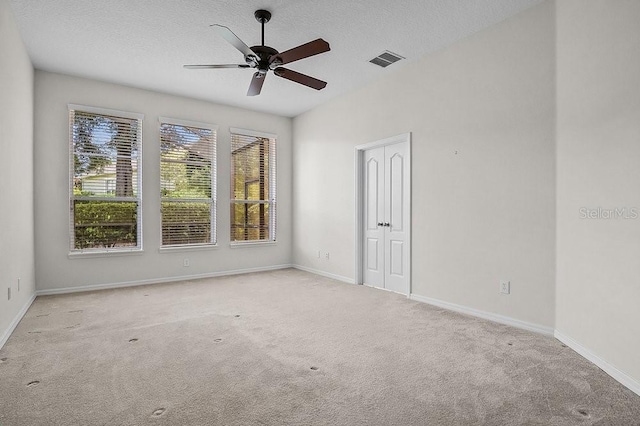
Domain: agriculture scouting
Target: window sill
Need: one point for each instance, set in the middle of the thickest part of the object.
(252, 244)
(178, 249)
(105, 253)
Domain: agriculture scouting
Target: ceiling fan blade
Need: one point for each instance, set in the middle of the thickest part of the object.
(304, 79)
(228, 35)
(256, 84)
(206, 67)
(312, 48)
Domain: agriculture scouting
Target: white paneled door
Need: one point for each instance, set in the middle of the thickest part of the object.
(386, 214)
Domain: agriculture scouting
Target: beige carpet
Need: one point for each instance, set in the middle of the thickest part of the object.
(289, 348)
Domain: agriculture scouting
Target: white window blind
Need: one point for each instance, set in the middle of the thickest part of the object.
(187, 182)
(105, 170)
(253, 186)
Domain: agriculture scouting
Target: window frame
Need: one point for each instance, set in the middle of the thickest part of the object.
(214, 178)
(88, 252)
(272, 177)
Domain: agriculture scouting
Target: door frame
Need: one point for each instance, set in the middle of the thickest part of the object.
(359, 194)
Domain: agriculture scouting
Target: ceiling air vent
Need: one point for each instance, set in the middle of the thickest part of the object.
(386, 58)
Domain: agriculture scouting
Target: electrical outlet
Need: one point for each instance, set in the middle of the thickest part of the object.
(319, 254)
(8, 293)
(185, 262)
(326, 255)
(505, 287)
(18, 284)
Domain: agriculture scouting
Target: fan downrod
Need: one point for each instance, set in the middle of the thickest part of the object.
(262, 16)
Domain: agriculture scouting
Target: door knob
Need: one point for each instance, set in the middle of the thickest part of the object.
(387, 224)
(380, 224)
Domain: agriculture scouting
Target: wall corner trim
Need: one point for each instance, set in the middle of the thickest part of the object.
(620, 376)
(12, 326)
(537, 328)
(325, 274)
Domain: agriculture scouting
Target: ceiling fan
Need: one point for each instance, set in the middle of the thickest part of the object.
(265, 58)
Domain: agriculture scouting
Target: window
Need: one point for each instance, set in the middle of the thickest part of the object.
(187, 182)
(105, 170)
(253, 186)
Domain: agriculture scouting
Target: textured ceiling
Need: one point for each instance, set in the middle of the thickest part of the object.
(144, 43)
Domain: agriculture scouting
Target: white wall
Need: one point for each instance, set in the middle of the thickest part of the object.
(482, 119)
(16, 173)
(598, 78)
(54, 268)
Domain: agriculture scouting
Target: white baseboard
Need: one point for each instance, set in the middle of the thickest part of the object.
(16, 321)
(325, 274)
(618, 375)
(66, 290)
(548, 331)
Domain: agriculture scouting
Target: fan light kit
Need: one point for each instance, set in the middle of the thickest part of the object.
(265, 58)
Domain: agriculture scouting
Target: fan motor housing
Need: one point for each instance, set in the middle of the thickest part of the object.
(264, 54)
